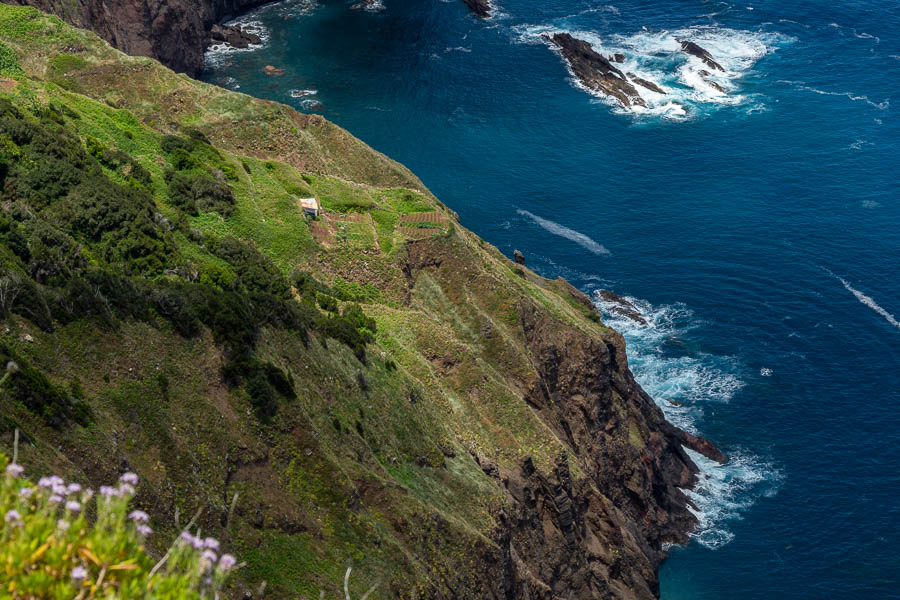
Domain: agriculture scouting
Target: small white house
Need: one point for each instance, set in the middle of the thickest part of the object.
(310, 206)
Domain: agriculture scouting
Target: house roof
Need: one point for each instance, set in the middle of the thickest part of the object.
(310, 203)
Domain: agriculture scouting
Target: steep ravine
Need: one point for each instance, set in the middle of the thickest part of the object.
(490, 441)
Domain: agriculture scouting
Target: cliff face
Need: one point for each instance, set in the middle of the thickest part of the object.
(452, 423)
(175, 32)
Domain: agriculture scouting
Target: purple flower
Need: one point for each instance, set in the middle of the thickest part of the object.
(211, 543)
(73, 488)
(79, 573)
(227, 562)
(209, 556)
(13, 517)
(55, 499)
(188, 539)
(126, 489)
(14, 470)
(144, 530)
(45, 482)
(60, 490)
(139, 516)
(73, 506)
(63, 525)
(129, 478)
(108, 492)
(26, 492)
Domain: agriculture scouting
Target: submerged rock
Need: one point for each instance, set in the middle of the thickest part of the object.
(595, 71)
(481, 8)
(272, 71)
(701, 53)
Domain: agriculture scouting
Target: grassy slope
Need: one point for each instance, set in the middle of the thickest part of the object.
(369, 459)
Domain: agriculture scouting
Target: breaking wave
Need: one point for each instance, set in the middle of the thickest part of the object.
(218, 54)
(684, 381)
(690, 85)
(562, 231)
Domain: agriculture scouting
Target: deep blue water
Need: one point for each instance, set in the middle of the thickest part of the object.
(758, 232)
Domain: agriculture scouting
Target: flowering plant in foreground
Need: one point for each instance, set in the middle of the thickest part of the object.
(50, 549)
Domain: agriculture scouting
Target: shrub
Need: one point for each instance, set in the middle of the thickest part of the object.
(326, 302)
(51, 549)
(193, 192)
(33, 390)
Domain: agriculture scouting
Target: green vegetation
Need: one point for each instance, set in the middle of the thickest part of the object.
(64, 541)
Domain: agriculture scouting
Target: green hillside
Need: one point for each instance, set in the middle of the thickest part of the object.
(346, 387)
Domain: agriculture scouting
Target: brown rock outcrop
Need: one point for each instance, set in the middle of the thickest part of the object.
(595, 71)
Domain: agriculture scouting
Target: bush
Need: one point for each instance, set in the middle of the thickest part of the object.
(327, 302)
(32, 389)
(193, 192)
(51, 549)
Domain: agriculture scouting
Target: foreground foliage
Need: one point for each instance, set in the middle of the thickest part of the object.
(65, 541)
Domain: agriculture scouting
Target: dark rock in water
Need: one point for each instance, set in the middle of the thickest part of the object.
(619, 58)
(595, 71)
(701, 53)
(234, 36)
(647, 84)
(622, 307)
(704, 447)
(518, 257)
(716, 86)
(481, 8)
(703, 73)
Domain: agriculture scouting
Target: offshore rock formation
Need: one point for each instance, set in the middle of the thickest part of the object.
(595, 71)
(175, 32)
(599, 74)
(481, 8)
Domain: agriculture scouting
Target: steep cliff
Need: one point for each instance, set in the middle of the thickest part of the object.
(377, 386)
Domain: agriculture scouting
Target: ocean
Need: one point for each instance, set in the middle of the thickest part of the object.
(756, 229)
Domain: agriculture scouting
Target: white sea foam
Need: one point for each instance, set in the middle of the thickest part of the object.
(217, 54)
(562, 231)
(683, 382)
(723, 492)
(868, 301)
(800, 85)
(657, 57)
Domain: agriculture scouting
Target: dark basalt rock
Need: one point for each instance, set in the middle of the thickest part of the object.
(645, 83)
(716, 86)
(617, 58)
(518, 257)
(234, 36)
(622, 307)
(701, 53)
(595, 71)
(481, 8)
